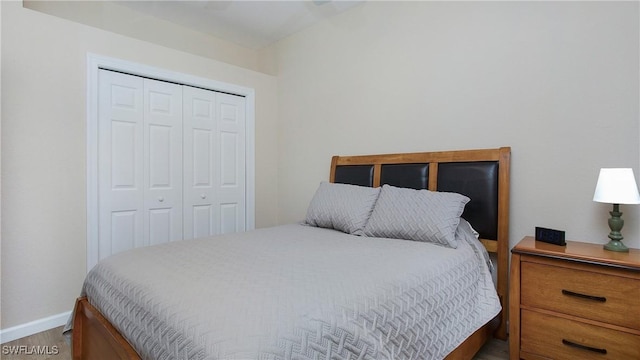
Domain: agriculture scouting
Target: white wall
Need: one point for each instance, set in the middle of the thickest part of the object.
(556, 81)
(117, 18)
(44, 145)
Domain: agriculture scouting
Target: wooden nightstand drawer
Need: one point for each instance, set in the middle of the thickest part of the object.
(597, 315)
(559, 338)
(586, 294)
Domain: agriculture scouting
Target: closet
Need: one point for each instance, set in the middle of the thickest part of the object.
(171, 162)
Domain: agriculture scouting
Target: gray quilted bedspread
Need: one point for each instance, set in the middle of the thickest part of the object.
(295, 292)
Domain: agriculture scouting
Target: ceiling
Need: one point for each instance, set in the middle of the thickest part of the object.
(252, 24)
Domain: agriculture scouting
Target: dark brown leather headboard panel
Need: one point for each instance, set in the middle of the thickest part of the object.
(355, 175)
(479, 182)
(414, 176)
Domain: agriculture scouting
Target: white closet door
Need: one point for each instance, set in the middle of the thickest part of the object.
(120, 149)
(171, 162)
(162, 162)
(200, 162)
(230, 182)
(214, 163)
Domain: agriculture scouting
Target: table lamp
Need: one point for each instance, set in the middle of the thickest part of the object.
(616, 186)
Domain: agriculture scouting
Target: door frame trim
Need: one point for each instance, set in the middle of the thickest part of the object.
(94, 64)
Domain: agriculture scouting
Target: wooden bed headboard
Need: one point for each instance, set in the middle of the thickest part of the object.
(481, 175)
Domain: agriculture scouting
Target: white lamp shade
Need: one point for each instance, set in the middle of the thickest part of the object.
(616, 186)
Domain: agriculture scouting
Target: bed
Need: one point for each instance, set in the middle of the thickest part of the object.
(311, 291)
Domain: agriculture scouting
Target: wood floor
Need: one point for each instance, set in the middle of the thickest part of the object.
(52, 344)
(56, 346)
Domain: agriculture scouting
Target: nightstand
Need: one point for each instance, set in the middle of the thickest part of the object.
(573, 302)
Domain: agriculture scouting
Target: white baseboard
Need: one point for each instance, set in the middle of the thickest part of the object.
(33, 327)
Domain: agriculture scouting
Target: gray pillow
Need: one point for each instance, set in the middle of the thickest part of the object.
(420, 215)
(342, 207)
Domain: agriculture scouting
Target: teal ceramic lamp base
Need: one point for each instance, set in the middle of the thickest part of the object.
(616, 245)
(615, 224)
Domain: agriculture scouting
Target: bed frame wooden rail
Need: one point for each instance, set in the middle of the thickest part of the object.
(94, 337)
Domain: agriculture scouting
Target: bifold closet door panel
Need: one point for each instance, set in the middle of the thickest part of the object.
(162, 162)
(120, 163)
(214, 163)
(231, 179)
(140, 162)
(171, 162)
(199, 120)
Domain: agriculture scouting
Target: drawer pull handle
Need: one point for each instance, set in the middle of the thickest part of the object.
(584, 347)
(584, 296)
